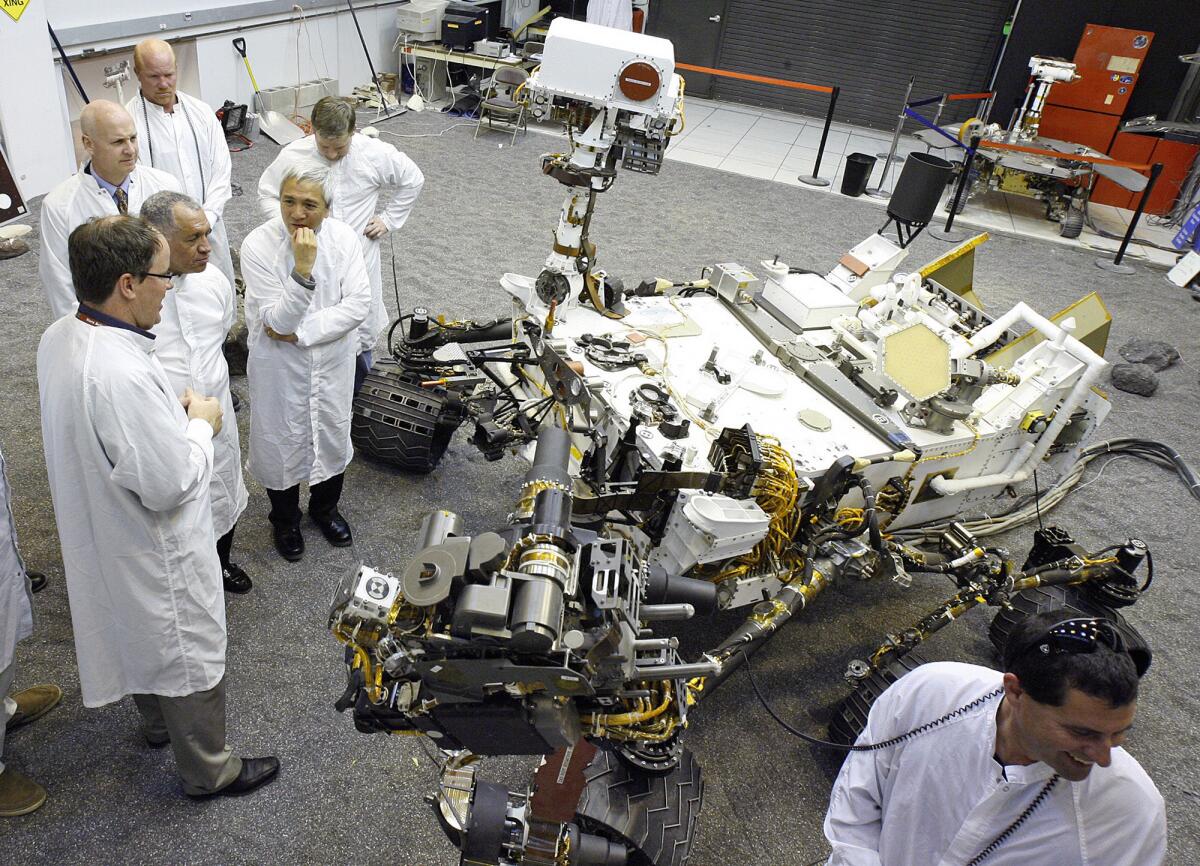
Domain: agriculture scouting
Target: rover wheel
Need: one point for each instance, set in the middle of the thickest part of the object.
(1075, 600)
(653, 813)
(401, 424)
(1072, 224)
(851, 717)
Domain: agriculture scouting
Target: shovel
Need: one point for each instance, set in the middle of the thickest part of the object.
(273, 124)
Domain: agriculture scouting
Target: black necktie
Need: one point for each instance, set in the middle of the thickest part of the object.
(122, 199)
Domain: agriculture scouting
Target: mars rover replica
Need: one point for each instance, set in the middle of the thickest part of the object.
(732, 442)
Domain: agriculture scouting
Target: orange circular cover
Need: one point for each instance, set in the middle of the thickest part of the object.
(639, 81)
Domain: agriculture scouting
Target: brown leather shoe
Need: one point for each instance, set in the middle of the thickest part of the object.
(33, 703)
(19, 795)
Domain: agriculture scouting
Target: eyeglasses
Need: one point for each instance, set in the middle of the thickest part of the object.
(169, 277)
(1081, 635)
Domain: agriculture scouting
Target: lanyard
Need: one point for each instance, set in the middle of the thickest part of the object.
(195, 139)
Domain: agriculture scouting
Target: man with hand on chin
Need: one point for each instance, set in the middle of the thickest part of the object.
(1005, 769)
(196, 317)
(361, 168)
(307, 292)
(129, 464)
(110, 183)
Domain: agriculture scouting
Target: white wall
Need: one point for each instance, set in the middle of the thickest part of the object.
(32, 116)
(40, 143)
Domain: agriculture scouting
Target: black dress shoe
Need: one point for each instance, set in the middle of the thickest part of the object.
(236, 580)
(289, 542)
(255, 773)
(334, 527)
(37, 581)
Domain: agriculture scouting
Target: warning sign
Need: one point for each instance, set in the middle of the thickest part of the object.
(14, 8)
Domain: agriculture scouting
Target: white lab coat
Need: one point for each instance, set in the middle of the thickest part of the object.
(165, 141)
(357, 180)
(16, 609)
(611, 13)
(129, 476)
(301, 392)
(196, 316)
(72, 203)
(939, 798)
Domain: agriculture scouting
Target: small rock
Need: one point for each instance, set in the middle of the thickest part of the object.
(10, 248)
(1135, 378)
(236, 350)
(1156, 353)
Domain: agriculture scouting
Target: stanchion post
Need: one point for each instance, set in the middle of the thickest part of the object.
(945, 234)
(815, 178)
(880, 191)
(1116, 266)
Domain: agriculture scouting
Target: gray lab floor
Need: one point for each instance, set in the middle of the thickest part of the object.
(345, 797)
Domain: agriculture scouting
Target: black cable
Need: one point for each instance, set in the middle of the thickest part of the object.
(865, 747)
(1021, 819)
(1037, 501)
(66, 61)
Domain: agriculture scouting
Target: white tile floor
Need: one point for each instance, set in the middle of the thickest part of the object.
(774, 145)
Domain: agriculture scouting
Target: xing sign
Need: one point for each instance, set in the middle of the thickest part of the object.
(14, 8)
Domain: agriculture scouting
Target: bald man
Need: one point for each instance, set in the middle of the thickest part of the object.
(111, 182)
(180, 135)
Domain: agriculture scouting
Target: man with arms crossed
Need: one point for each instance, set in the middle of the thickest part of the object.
(360, 168)
(1029, 770)
(110, 183)
(129, 464)
(307, 293)
(196, 317)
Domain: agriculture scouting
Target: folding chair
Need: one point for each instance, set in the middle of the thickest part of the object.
(500, 103)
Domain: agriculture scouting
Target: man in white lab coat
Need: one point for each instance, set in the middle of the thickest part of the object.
(181, 135)
(611, 13)
(111, 182)
(360, 169)
(129, 463)
(1024, 766)
(19, 795)
(196, 317)
(307, 293)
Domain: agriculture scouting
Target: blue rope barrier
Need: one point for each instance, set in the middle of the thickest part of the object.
(931, 125)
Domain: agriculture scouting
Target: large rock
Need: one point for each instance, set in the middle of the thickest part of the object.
(1156, 353)
(1135, 378)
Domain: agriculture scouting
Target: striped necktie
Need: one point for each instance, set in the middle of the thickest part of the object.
(122, 199)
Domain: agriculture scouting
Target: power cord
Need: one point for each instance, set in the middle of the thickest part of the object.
(866, 747)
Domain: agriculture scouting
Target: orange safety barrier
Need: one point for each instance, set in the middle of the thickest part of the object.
(954, 96)
(1058, 154)
(759, 79)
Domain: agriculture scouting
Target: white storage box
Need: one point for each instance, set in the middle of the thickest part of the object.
(709, 528)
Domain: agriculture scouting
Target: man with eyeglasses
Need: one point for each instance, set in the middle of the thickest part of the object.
(1020, 767)
(129, 464)
(110, 183)
(196, 317)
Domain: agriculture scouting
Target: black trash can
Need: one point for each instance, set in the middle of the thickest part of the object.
(857, 173)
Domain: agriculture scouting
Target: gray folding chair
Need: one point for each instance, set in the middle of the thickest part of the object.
(500, 104)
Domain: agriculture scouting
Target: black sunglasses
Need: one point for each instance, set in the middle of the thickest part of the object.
(1079, 635)
(169, 277)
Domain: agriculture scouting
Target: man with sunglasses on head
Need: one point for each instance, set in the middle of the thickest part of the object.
(1020, 767)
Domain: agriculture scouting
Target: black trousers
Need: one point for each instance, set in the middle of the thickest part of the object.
(323, 500)
(362, 366)
(225, 546)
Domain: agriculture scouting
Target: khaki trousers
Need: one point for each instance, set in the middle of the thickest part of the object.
(195, 725)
